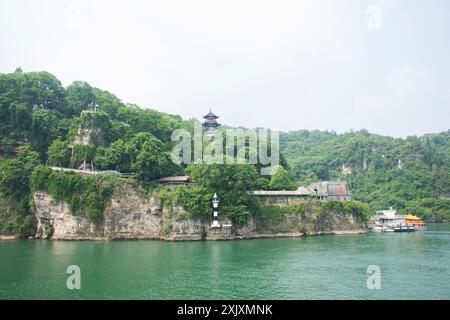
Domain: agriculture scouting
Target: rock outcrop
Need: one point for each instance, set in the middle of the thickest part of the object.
(55, 221)
(130, 215)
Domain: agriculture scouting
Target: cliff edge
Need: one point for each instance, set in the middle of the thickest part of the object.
(131, 215)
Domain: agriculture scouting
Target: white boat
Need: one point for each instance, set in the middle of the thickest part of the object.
(405, 228)
(389, 221)
(377, 229)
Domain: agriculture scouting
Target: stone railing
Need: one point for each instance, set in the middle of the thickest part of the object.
(93, 172)
(277, 193)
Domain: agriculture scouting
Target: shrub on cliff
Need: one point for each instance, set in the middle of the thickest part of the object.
(196, 200)
(59, 154)
(356, 208)
(85, 195)
(15, 214)
(229, 181)
(275, 214)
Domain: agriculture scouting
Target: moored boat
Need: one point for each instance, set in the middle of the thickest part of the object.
(378, 229)
(389, 221)
(416, 222)
(405, 228)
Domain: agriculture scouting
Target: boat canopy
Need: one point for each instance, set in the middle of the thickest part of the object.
(412, 217)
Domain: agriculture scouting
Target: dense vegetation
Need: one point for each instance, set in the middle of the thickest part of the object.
(412, 174)
(85, 195)
(40, 120)
(15, 193)
(271, 217)
(229, 181)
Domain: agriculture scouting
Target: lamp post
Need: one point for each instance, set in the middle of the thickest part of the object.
(215, 202)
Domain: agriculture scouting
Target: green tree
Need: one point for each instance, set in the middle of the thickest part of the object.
(59, 154)
(153, 161)
(230, 182)
(116, 156)
(44, 128)
(262, 184)
(228, 177)
(80, 96)
(282, 180)
(15, 190)
(196, 200)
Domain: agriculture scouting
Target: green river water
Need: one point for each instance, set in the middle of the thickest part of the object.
(412, 265)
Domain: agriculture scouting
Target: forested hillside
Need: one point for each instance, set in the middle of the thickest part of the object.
(412, 174)
(40, 120)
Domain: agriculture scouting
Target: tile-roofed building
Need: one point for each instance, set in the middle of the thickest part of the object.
(175, 181)
(332, 190)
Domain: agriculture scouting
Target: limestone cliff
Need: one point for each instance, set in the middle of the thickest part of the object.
(130, 215)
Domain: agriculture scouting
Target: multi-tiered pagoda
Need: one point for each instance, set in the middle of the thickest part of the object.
(211, 123)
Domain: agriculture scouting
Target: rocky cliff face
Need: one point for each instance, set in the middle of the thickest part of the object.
(55, 221)
(129, 215)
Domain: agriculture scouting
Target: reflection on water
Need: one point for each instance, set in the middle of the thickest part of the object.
(413, 266)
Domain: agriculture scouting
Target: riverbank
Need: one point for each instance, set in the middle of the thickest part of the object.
(8, 238)
(186, 239)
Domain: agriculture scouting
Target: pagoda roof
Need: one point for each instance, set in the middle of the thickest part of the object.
(211, 121)
(210, 115)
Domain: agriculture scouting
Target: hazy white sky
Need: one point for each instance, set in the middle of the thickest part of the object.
(337, 65)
